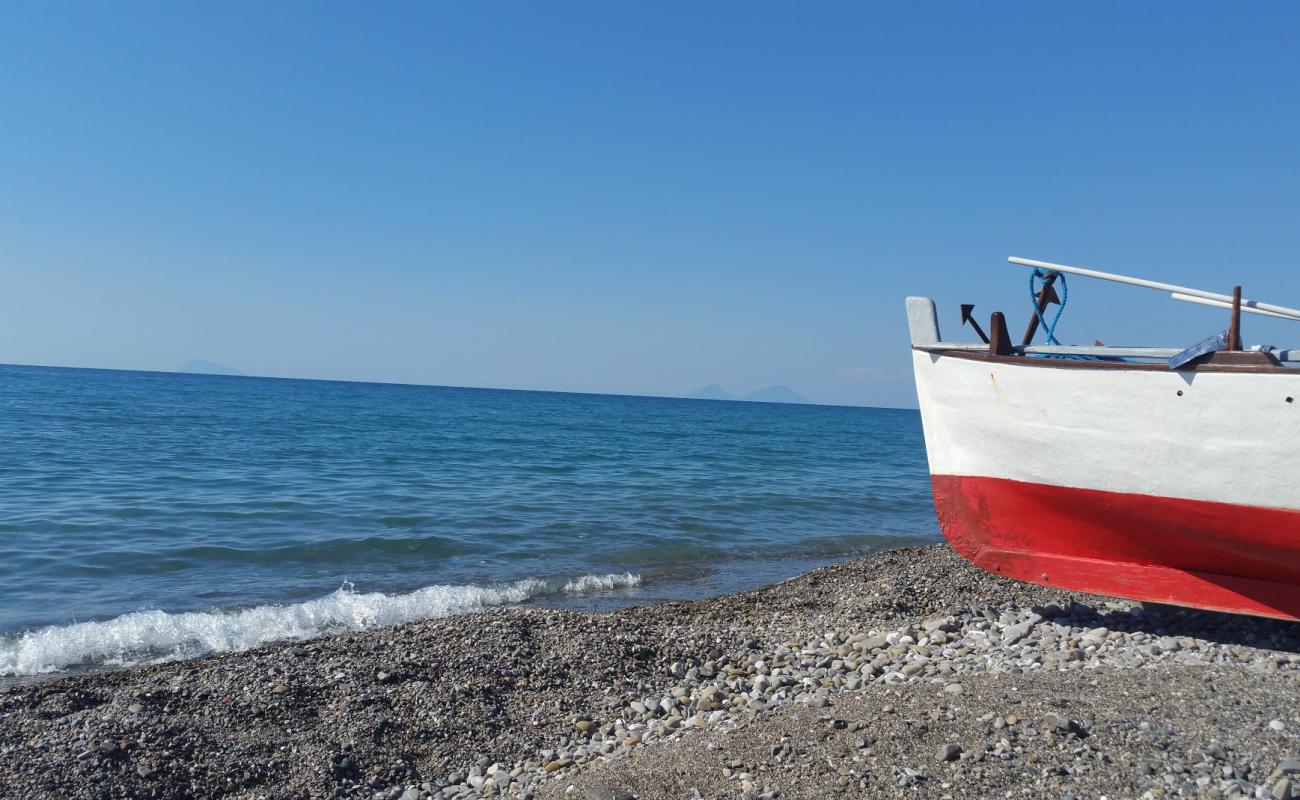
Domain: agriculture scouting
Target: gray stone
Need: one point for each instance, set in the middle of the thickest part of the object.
(1019, 631)
(1059, 724)
(949, 752)
(1095, 637)
(934, 624)
(601, 791)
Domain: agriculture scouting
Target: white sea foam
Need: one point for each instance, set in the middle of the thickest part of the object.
(152, 636)
(601, 583)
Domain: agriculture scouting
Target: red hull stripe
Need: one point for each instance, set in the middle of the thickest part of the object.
(1219, 556)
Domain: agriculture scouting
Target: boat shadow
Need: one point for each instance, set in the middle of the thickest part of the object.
(1216, 627)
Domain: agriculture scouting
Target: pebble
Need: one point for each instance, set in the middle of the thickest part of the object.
(1059, 724)
(1014, 633)
(601, 791)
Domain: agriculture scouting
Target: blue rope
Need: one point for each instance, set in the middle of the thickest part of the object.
(1048, 330)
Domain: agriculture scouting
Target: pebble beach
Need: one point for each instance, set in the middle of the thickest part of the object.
(908, 673)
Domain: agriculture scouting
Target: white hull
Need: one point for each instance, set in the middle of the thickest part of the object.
(1229, 437)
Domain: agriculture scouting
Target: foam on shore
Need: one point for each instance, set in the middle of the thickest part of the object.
(153, 636)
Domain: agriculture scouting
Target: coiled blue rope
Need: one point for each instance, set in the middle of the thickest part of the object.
(1049, 331)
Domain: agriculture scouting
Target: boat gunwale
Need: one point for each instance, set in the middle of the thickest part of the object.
(1072, 363)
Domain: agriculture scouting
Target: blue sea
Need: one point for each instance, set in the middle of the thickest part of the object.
(150, 516)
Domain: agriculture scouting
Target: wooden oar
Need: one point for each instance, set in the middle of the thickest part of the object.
(1253, 306)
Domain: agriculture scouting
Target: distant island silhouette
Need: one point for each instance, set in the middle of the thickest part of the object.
(198, 366)
(769, 394)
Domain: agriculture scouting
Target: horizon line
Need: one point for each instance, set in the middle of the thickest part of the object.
(448, 386)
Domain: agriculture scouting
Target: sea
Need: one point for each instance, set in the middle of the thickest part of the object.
(152, 516)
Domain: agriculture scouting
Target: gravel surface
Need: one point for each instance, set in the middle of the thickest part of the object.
(907, 673)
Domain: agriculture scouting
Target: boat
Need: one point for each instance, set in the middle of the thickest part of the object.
(1160, 475)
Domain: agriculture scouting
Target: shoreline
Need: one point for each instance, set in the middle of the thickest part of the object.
(151, 636)
(651, 700)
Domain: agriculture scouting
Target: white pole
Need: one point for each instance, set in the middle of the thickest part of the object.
(1290, 313)
(1201, 301)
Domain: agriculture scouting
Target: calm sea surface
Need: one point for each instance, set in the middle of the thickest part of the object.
(150, 515)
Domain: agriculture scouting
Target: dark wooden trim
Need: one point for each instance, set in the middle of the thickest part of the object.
(999, 341)
(1245, 361)
(1244, 358)
(1234, 327)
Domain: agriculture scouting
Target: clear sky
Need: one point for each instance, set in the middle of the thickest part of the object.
(629, 197)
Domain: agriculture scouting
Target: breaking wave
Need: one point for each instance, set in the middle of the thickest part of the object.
(601, 583)
(154, 636)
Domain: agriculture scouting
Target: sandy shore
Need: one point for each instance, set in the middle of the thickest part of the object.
(908, 673)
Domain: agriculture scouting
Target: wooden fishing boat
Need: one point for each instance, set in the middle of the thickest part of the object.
(1151, 474)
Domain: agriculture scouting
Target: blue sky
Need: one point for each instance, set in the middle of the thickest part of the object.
(630, 198)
